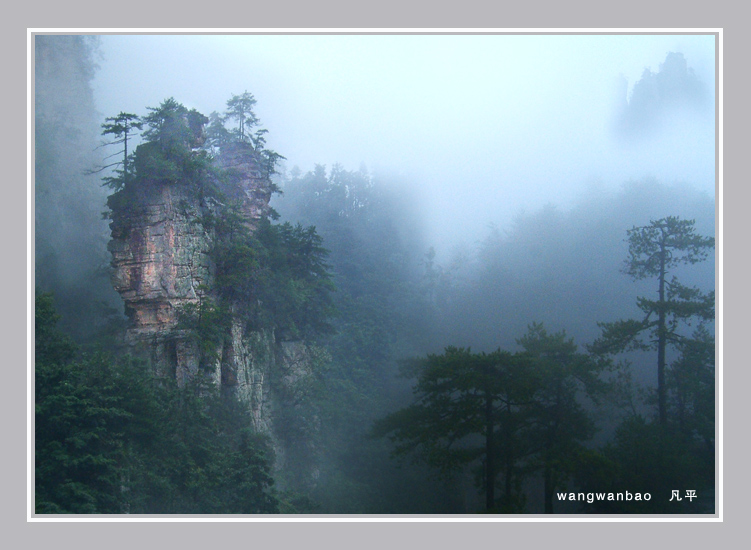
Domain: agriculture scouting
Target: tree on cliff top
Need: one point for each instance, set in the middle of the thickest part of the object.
(169, 154)
(240, 109)
(277, 273)
(174, 127)
(122, 127)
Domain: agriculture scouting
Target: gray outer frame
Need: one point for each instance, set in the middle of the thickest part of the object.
(570, 15)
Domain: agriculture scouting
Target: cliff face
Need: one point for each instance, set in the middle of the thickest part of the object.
(161, 259)
(246, 182)
(161, 263)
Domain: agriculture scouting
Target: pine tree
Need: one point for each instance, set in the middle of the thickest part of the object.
(654, 250)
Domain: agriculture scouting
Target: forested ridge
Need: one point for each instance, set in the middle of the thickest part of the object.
(571, 351)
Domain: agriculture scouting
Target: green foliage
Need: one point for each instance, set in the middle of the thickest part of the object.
(276, 276)
(240, 109)
(207, 461)
(85, 410)
(663, 245)
(468, 408)
(381, 316)
(173, 127)
(560, 424)
(653, 251)
(216, 133)
(297, 382)
(276, 279)
(122, 127)
(208, 325)
(169, 156)
(52, 346)
(677, 452)
(646, 457)
(271, 277)
(691, 382)
(170, 153)
(295, 286)
(111, 439)
(513, 414)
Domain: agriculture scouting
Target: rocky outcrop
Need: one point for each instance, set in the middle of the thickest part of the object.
(162, 264)
(245, 181)
(161, 258)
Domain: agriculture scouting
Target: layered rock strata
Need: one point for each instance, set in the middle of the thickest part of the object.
(161, 260)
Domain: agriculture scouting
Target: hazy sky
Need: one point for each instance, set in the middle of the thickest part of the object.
(481, 125)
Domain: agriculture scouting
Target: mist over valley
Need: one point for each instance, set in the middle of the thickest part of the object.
(390, 273)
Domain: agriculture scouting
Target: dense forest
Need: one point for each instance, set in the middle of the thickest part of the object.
(564, 363)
